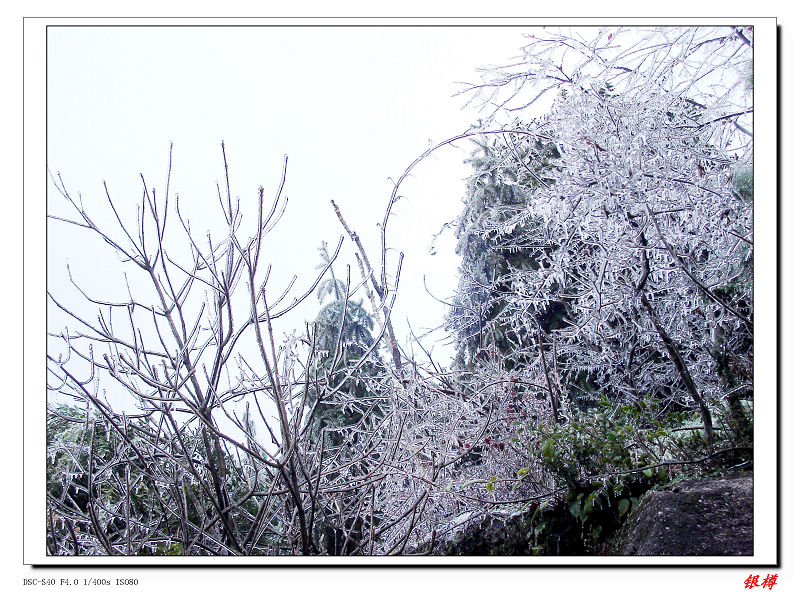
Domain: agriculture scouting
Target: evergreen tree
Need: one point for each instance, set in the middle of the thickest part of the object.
(497, 236)
(343, 331)
(345, 406)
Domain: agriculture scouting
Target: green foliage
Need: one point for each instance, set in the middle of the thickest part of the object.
(604, 459)
(596, 442)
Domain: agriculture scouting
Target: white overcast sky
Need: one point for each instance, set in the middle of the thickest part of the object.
(352, 107)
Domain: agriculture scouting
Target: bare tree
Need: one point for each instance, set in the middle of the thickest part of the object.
(217, 442)
(223, 455)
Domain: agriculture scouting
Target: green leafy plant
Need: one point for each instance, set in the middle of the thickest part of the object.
(605, 458)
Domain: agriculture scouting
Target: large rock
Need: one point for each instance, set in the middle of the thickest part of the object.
(501, 533)
(697, 517)
(512, 533)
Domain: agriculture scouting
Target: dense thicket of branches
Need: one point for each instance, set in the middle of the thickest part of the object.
(606, 286)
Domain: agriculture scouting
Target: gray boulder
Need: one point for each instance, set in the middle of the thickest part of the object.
(696, 517)
(490, 534)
